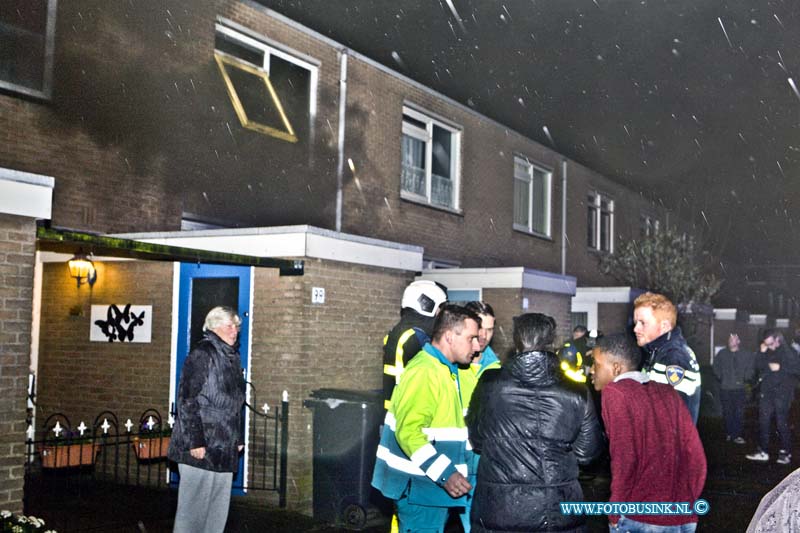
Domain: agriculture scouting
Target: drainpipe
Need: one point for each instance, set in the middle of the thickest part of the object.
(340, 147)
(711, 354)
(563, 217)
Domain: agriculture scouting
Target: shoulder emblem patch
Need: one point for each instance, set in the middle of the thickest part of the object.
(674, 374)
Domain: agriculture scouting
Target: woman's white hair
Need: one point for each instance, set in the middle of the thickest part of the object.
(219, 316)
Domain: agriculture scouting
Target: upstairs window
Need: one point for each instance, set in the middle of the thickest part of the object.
(531, 197)
(430, 160)
(600, 222)
(272, 91)
(27, 35)
(649, 226)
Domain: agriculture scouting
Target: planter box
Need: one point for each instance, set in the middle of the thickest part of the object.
(150, 448)
(69, 455)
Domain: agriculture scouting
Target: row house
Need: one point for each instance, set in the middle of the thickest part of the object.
(218, 152)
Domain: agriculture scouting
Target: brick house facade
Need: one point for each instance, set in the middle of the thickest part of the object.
(160, 119)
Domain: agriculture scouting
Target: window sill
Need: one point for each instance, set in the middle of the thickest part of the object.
(598, 252)
(530, 233)
(423, 203)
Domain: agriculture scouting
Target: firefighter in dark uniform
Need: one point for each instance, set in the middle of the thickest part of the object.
(571, 358)
(420, 304)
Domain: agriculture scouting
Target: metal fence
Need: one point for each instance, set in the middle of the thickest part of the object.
(90, 477)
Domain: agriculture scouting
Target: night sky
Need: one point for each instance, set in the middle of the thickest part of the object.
(695, 101)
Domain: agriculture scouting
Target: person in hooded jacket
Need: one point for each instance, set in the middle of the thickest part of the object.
(532, 428)
(207, 437)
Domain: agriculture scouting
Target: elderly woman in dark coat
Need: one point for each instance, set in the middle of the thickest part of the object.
(207, 437)
(532, 428)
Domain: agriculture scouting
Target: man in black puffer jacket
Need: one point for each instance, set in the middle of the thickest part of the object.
(532, 428)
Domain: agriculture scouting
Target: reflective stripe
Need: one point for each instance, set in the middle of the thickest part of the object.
(423, 454)
(404, 465)
(438, 467)
(687, 385)
(469, 446)
(574, 375)
(442, 434)
(396, 370)
(688, 373)
(398, 463)
(452, 434)
(390, 420)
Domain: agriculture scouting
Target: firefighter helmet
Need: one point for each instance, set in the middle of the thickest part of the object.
(424, 297)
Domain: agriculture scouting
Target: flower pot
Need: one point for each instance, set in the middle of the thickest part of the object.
(65, 456)
(154, 448)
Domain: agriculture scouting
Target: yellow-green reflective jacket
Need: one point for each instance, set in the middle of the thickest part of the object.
(424, 439)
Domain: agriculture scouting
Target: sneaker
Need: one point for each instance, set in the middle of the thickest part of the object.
(784, 458)
(739, 440)
(727, 438)
(760, 455)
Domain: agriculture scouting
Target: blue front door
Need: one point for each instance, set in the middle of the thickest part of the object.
(203, 287)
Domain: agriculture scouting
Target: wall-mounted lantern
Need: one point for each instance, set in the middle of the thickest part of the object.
(82, 269)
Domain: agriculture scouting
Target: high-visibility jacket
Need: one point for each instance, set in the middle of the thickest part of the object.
(402, 343)
(469, 376)
(424, 438)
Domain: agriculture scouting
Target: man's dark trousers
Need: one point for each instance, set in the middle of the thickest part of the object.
(776, 403)
(733, 408)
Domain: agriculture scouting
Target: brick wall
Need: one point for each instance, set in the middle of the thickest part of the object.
(628, 207)
(17, 247)
(484, 226)
(300, 347)
(81, 378)
(507, 303)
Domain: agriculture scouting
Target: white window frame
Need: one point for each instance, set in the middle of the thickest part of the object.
(597, 204)
(262, 44)
(426, 136)
(650, 225)
(46, 91)
(545, 204)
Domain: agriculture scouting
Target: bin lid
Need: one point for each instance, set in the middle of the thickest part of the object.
(348, 395)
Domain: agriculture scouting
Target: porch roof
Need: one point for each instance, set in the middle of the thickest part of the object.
(68, 241)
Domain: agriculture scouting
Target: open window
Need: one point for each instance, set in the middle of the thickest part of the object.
(273, 91)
